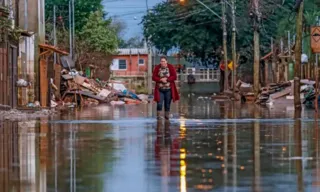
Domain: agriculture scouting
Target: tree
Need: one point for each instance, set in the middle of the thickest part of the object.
(133, 42)
(83, 9)
(189, 27)
(193, 29)
(119, 26)
(98, 34)
(96, 41)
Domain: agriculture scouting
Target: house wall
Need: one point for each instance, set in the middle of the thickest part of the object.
(132, 63)
(35, 15)
(26, 70)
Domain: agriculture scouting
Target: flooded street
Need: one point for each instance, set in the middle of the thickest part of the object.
(206, 146)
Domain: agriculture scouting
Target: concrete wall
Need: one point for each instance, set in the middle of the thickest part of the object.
(36, 24)
(33, 12)
(26, 69)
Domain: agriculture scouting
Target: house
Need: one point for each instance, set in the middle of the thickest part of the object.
(17, 50)
(130, 62)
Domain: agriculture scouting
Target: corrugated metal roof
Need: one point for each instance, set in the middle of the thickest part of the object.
(132, 51)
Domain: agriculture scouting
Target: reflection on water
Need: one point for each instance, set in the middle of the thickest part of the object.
(149, 156)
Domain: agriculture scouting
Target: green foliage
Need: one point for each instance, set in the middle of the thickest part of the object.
(95, 37)
(192, 28)
(98, 35)
(133, 42)
(189, 27)
(83, 9)
(6, 30)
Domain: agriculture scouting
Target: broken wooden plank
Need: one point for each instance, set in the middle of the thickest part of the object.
(280, 94)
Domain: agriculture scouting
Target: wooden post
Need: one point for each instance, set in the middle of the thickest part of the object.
(234, 53)
(274, 70)
(57, 76)
(266, 72)
(298, 51)
(317, 83)
(286, 71)
(43, 83)
(256, 48)
(225, 54)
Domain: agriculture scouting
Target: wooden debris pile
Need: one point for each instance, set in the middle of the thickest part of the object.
(78, 90)
(273, 91)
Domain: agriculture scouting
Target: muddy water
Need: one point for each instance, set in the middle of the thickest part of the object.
(206, 147)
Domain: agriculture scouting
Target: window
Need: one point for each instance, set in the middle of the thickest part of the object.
(122, 64)
(141, 61)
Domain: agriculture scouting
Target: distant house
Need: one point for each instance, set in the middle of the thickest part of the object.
(130, 62)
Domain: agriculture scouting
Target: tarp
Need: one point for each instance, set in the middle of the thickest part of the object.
(118, 86)
(67, 62)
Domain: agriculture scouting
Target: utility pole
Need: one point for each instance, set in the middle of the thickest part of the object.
(26, 51)
(149, 75)
(256, 47)
(234, 54)
(70, 30)
(317, 75)
(225, 56)
(289, 51)
(73, 32)
(25, 39)
(54, 33)
(298, 51)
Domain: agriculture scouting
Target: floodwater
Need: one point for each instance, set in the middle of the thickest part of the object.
(206, 146)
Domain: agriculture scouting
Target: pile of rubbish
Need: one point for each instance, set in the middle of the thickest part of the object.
(309, 96)
(285, 90)
(273, 91)
(78, 90)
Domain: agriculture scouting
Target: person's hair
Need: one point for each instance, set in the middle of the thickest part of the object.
(163, 57)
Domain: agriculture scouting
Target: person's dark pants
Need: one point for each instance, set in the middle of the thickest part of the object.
(165, 97)
(190, 87)
(221, 81)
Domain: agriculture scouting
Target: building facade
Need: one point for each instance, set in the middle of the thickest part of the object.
(18, 50)
(130, 63)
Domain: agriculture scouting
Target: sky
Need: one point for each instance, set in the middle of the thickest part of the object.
(131, 12)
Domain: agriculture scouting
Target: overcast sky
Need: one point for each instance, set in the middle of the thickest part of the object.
(130, 11)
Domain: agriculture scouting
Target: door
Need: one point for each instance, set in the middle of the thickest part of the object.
(4, 84)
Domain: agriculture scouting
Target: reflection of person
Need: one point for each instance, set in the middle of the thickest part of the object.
(163, 145)
(165, 90)
(166, 148)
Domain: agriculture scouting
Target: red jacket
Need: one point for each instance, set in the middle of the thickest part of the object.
(171, 79)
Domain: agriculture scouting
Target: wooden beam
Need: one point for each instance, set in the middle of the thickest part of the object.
(43, 83)
(45, 52)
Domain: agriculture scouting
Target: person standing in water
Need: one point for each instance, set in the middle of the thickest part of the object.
(165, 91)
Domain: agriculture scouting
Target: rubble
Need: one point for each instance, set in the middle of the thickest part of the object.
(270, 94)
(77, 90)
(74, 89)
(273, 91)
